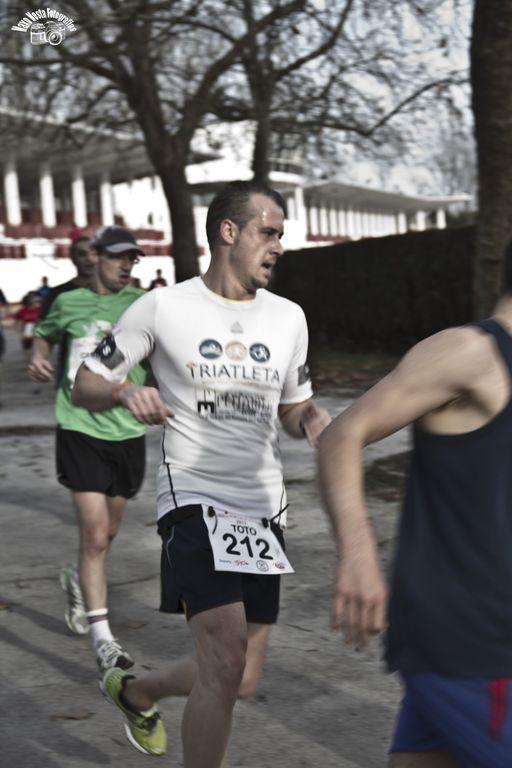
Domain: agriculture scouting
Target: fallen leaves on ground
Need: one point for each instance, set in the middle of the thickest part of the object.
(76, 713)
(133, 624)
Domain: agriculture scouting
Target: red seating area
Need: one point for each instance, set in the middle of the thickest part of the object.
(37, 230)
(12, 251)
(31, 229)
(148, 234)
(65, 229)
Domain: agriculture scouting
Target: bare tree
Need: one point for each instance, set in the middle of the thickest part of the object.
(299, 69)
(156, 55)
(342, 71)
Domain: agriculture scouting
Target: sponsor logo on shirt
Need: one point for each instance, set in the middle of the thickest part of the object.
(260, 353)
(210, 349)
(234, 406)
(235, 350)
(234, 371)
(108, 353)
(303, 374)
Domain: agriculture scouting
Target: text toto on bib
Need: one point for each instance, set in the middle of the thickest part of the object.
(244, 545)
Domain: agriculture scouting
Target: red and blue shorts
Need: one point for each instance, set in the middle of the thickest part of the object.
(469, 718)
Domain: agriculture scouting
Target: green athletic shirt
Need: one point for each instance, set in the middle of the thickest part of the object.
(84, 318)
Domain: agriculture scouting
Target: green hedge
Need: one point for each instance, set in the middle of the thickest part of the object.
(382, 293)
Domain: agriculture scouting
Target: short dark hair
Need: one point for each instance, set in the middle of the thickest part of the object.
(73, 250)
(232, 202)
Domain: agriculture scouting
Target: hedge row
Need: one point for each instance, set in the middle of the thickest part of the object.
(384, 293)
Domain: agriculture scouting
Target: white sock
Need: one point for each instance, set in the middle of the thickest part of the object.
(99, 627)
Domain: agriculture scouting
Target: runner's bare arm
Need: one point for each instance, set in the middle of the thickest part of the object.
(306, 419)
(40, 367)
(432, 374)
(94, 392)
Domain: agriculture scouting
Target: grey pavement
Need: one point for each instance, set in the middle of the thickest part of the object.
(317, 705)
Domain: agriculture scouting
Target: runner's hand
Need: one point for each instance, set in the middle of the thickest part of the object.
(359, 599)
(40, 369)
(144, 404)
(314, 420)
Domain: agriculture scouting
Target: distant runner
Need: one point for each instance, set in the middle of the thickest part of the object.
(100, 457)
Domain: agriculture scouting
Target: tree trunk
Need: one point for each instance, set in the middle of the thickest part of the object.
(491, 77)
(170, 160)
(260, 154)
(169, 155)
(179, 199)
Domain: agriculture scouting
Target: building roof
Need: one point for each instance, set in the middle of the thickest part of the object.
(32, 139)
(334, 191)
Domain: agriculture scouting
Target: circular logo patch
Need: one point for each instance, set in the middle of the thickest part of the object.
(235, 350)
(260, 353)
(210, 349)
(261, 565)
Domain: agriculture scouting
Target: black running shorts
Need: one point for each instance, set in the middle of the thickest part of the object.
(112, 467)
(191, 584)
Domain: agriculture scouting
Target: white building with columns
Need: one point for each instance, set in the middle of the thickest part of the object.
(59, 179)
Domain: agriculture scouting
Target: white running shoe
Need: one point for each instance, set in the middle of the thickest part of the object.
(75, 615)
(109, 654)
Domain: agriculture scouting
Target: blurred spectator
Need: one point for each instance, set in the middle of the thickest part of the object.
(135, 282)
(44, 289)
(75, 233)
(158, 281)
(80, 255)
(3, 306)
(27, 317)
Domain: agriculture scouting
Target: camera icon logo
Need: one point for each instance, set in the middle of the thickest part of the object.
(52, 32)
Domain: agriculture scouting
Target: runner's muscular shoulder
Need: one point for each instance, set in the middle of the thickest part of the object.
(432, 375)
(483, 383)
(445, 367)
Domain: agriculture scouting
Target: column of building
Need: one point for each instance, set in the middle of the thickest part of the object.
(12, 193)
(46, 195)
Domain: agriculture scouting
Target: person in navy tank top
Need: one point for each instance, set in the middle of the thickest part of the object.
(448, 610)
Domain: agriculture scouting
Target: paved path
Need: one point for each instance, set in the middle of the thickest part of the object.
(318, 705)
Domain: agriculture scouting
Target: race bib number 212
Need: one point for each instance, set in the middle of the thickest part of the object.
(244, 545)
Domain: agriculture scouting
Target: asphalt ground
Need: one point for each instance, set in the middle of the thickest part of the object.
(318, 704)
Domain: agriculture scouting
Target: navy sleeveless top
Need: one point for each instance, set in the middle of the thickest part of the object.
(450, 610)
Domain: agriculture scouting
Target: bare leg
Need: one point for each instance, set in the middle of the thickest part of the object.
(220, 638)
(116, 505)
(422, 760)
(257, 643)
(98, 519)
(179, 677)
(174, 679)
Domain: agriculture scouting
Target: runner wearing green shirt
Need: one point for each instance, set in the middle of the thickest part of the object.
(100, 456)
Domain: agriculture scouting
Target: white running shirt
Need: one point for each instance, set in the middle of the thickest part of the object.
(223, 367)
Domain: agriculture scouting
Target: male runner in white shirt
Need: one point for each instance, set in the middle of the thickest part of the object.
(230, 359)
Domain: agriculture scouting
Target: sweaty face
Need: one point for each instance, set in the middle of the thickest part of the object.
(258, 245)
(114, 271)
